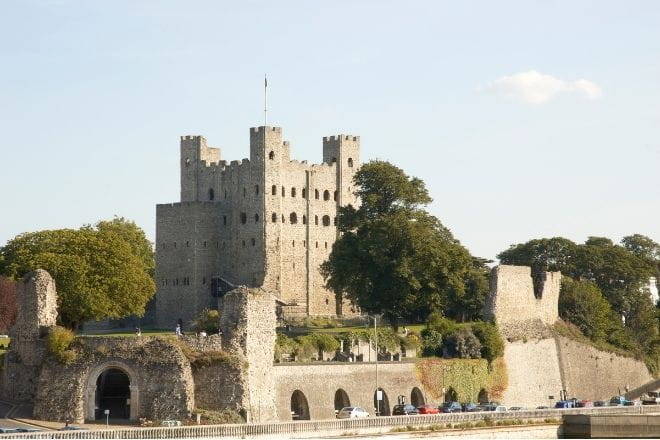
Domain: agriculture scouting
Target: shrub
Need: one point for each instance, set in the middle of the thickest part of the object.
(463, 344)
(492, 345)
(59, 341)
(220, 417)
(431, 343)
(442, 325)
(208, 321)
(284, 345)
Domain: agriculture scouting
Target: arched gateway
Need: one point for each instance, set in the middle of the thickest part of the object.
(111, 386)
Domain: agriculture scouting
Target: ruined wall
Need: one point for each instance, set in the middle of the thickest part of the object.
(540, 363)
(161, 381)
(272, 219)
(320, 382)
(37, 311)
(247, 321)
(514, 306)
(221, 386)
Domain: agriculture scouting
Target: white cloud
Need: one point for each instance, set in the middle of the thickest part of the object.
(534, 87)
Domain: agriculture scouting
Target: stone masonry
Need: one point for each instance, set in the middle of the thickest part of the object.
(37, 311)
(267, 221)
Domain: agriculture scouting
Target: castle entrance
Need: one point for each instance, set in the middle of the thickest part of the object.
(113, 393)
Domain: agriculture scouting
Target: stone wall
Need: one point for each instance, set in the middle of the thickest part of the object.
(319, 383)
(37, 311)
(161, 382)
(267, 221)
(247, 321)
(512, 302)
(593, 374)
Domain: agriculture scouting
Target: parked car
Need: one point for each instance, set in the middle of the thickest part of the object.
(565, 404)
(73, 428)
(600, 403)
(170, 423)
(585, 404)
(542, 407)
(8, 430)
(620, 401)
(404, 410)
(517, 408)
(500, 408)
(428, 409)
(28, 430)
(450, 407)
(352, 412)
(651, 398)
(488, 406)
(470, 407)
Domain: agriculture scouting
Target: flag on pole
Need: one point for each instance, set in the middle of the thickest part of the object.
(265, 81)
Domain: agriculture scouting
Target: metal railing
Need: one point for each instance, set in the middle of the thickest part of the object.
(284, 428)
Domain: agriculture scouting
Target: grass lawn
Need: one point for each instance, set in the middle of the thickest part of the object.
(125, 333)
(4, 342)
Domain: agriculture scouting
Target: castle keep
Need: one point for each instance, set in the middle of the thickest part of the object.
(267, 221)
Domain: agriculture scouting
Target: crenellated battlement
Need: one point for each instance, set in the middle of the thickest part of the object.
(266, 128)
(341, 137)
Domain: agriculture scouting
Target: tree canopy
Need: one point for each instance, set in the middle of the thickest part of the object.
(100, 272)
(393, 257)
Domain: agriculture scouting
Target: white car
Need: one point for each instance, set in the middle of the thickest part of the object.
(352, 412)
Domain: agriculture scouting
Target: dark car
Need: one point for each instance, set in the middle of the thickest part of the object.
(565, 404)
(470, 407)
(451, 407)
(490, 406)
(28, 430)
(404, 410)
(8, 430)
(600, 403)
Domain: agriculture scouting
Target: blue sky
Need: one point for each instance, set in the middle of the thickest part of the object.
(526, 119)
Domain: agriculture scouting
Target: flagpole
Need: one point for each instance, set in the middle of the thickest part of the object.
(265, 87)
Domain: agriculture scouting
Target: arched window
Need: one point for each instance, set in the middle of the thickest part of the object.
(273, 218)
(316, 220)
(224, 220)
(350, 162)
(243, 218)
(271, 155)
(254, 242)
(293, 218)
(283, 192)
(304, 193)
(304, 219)
(273, 190)
(256, 190)
(244, 192)
(335, 196)
(211, 194)
(316, 194)
(282, 218)
(326, 195)
(326, 220)
(256, 218)
(225, 194)
(293, 192)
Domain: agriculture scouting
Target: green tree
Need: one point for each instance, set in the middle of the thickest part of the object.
(492, 344)
(97, 273)
(463, 344)
(393, 258)
(135, 237)
(583, 304)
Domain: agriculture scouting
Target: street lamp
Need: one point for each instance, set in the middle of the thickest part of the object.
(379, 395)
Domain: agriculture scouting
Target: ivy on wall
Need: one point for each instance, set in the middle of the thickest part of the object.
(466, 377)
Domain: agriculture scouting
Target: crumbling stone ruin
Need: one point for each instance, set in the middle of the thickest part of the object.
(267, 221)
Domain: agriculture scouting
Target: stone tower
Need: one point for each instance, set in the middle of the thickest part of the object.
(37, 312)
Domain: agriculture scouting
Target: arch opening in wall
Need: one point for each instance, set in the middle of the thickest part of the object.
(283, 192)
(350, 162)
(271, 155)
(483, 396)
(316, 194)
(273, 218)
(335, 196)
(243, 218)
(293, 218)
(211, 194)
(316, 220)
(326, 195)
(383, 405)
(273, 190)
(256, 218)
(451, 395)
(113, 392)
(293, 192)
(416, 397)
(304, 219)
(341, 399)
(326, 220)
(334, 160)
(299, 406)
(304, 193)
(256, 190)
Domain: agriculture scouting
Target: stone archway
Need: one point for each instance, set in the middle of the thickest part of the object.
(113, 386)
(416, 397)
(483, 396)
(341, 399)
(451, 395)
(383, 406)
(299, 406)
